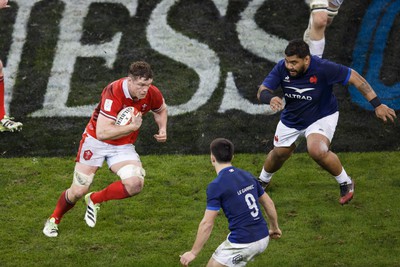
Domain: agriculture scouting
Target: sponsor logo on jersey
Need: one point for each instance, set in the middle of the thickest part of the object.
(302, 97)
(300, 90)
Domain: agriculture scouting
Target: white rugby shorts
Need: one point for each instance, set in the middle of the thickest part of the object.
(93, 152)
(285, 136)
(233, 254)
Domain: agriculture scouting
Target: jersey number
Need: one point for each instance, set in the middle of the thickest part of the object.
(252, 204)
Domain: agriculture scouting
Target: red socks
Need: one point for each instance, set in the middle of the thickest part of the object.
(2, 108)
(62, 207)
(115, 190)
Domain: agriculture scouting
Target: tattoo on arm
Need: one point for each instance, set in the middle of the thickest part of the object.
(365, 88)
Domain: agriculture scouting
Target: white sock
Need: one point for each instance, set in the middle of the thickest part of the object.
(343, 177)
(317, 47)
(265, 176)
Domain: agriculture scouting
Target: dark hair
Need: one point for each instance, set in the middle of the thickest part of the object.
(140, 69)
(297, 47)
(222, 149)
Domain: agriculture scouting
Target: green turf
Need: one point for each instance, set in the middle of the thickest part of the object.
(153, 228)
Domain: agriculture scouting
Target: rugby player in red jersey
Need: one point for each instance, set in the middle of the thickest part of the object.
(103, 140)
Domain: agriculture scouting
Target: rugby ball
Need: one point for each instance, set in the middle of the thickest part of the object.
(124, 117)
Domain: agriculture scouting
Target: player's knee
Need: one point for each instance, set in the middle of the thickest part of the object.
(82, 180)
(133, 185)
(132, 177)
(317, 151)
(281, 155)
(131, 170)
(76, 192)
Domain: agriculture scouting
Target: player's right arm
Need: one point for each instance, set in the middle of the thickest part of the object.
(269, 207)
(266, 96)
(265, 93)
(107, 130)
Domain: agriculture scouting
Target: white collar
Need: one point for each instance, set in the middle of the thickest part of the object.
(125, 89)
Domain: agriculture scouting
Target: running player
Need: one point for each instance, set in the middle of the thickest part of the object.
(103, 140)
(311, 110)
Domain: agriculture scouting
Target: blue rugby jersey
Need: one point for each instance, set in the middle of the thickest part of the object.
(308, 97)
(236, 192)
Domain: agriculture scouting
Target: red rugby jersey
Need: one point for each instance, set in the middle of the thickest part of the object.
(114, 98)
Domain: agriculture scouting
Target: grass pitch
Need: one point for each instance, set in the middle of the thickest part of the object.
(153, 228)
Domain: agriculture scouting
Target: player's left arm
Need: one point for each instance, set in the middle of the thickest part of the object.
(382, 111)
(203, 233)
(161, 118)
(269, 207)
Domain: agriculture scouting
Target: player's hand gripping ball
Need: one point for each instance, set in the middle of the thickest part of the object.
(125, 116)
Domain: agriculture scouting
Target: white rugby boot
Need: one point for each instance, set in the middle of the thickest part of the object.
(8, 125)
(346, 192)
(50, 228)
(91, 211)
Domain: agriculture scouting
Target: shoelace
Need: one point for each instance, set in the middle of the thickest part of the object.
(344, 189)
(96, 207)
(53, 226)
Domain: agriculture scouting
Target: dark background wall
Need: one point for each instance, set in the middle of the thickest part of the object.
(358, 128)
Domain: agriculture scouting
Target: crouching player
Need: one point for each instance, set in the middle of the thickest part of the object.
(238, 193)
